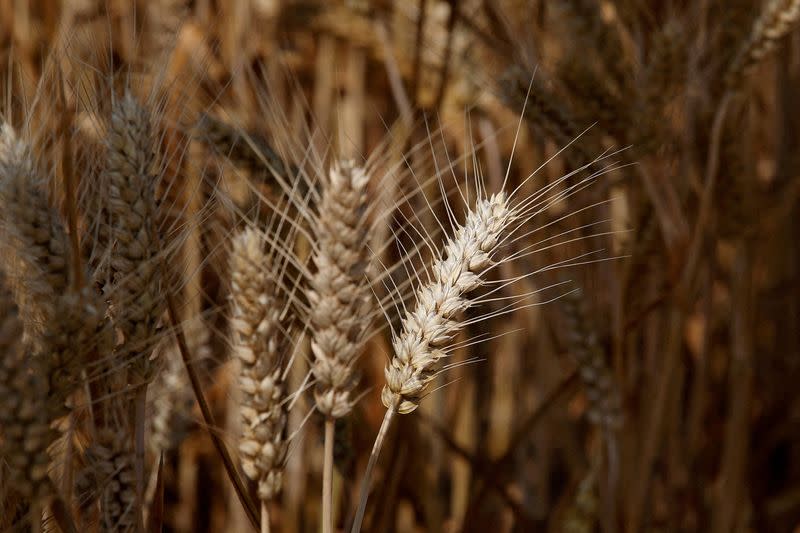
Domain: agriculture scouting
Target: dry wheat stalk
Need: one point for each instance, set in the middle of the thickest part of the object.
(432, 324)
(257, 341)
(340, 294)
(339, 297)
(777, 19)
(136, 302)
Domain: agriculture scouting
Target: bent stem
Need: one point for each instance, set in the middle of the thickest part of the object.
(373, 458)
(208, 417)
(327, 477)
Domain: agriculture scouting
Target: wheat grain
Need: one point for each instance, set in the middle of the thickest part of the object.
(257, 340)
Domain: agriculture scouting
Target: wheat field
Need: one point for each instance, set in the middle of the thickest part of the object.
(399, 266)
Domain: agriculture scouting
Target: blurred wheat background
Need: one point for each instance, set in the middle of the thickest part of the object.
(657, 391)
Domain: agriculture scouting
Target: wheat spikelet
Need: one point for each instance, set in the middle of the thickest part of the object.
(339, 296)
(605, 405)
(256, 329)
(137, 304)
(431, 325)
(777, 19)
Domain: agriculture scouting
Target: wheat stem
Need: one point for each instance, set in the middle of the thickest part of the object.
(327, 478)
(208, 416)
(264, 516)
(373, 459)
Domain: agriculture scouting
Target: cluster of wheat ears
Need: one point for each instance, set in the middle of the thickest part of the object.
(335, 250)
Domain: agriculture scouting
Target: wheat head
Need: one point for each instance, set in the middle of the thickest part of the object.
(432, 324)
(340, 295)
(257, 343)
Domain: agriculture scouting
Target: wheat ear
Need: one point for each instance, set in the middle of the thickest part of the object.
(428, 329)
(776, 20)
(137, 306)
(432, 324)
(340, 295)
(257, 341)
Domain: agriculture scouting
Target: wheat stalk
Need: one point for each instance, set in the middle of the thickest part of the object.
(136, 284)
(257, 341)
(429, 328)
(339, 298)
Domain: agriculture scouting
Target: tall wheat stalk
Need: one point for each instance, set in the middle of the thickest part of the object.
(430, 326)
(137, 304)
(339, 298)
